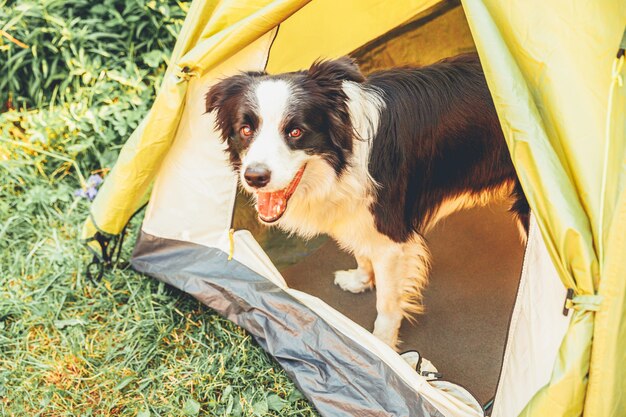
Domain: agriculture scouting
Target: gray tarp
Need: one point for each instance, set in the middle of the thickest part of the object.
(340, 377)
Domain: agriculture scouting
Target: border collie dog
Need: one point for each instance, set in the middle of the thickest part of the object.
(373, 162)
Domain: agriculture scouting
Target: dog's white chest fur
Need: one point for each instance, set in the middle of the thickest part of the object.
(343, 214)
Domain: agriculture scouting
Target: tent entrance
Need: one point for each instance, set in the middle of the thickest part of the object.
(477, 254)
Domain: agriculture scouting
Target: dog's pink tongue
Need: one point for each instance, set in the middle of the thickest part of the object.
(271, 205)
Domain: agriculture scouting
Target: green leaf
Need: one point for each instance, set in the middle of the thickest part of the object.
(144, 413)
(191, 407)
(153, 59)
(227, 392)
(229, 405)
(294, 396)
(260, 407)
(77, 147)
(275, 403)
(237, 410)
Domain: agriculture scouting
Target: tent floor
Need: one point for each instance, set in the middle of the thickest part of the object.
(477, 260)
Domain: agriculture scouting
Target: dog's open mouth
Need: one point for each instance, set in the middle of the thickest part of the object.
(271, 206)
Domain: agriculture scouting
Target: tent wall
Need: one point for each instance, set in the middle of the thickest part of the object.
(548, 66)
(437, 33)
(339, 27)
(536, 329)
(607, 382)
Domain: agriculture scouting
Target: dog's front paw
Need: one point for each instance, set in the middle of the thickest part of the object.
(353, 280)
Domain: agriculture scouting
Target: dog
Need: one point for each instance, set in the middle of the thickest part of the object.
(375, 162)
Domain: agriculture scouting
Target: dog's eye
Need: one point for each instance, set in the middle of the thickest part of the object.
(246, 131)
(295, 133)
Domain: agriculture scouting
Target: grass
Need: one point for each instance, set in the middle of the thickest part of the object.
(80, 78)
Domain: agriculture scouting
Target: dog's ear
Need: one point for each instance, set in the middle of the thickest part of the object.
(342, 69)
(325, 85)
(228, 88)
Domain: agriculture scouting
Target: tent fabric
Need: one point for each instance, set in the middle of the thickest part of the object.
(339, 381)
(548, 66)
(607, 383)
(536, 329)
(347, 24)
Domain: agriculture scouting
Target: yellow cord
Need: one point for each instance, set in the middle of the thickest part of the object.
(616, 79)
(231, 239)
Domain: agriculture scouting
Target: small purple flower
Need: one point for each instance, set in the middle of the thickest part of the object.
(91, 193)
(94, 180)
(91, 188)
(80, 193)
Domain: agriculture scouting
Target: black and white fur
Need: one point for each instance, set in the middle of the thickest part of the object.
(386, 157)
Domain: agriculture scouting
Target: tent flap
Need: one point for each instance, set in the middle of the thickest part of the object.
(548, 66)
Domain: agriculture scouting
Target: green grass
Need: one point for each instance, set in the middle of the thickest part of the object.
(128, 345)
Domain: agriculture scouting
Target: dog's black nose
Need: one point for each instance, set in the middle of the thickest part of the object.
(257, 175)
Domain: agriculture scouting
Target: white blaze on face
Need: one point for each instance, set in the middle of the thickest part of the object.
(269, 145)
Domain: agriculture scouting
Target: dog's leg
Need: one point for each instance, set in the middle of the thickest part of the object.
(356, 280)
(388, 295)
(401, 273)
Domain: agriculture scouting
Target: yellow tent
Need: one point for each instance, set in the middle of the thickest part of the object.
(557, 84)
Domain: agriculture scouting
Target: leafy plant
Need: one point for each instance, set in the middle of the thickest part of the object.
(80, 77)
(64, 46)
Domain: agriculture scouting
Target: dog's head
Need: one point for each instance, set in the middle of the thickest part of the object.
(277, 125)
